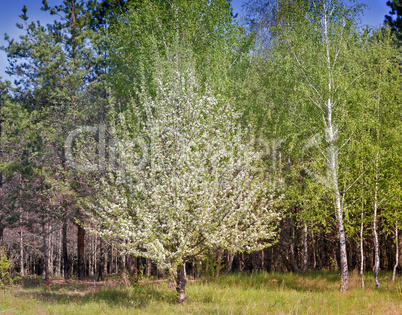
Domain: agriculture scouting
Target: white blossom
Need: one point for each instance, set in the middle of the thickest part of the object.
(190, 180)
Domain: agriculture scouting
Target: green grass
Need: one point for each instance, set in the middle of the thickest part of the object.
(264, 293)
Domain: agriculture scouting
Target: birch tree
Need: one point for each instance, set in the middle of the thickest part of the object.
(378, 145)
(191, 180)
(314, 50)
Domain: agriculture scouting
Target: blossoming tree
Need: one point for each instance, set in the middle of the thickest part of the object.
(183, 179)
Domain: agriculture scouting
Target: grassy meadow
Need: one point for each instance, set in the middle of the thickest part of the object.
(262, 293)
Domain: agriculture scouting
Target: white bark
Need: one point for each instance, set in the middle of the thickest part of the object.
(376, 255)
(396, 251)
(332, 160)
(362, 249)
(304, 269)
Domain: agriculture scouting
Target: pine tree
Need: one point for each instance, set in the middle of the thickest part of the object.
(394, 19)
(59, 69)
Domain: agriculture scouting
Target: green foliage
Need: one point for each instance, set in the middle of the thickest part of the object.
(212, 263)
(151, 31)
(5, 267)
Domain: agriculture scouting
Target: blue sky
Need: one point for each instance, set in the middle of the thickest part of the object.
(10, 9)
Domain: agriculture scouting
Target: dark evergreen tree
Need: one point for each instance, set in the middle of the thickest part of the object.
(394, 19)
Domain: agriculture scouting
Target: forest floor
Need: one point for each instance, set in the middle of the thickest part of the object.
(262, 293)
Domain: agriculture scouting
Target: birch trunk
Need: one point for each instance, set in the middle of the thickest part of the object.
(304, 269)
(396, 251)
(333, 167)
(339, 211)
(362, 249)
(376, 255)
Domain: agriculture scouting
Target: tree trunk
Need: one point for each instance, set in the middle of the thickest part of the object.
(105, 265)
(198, 268)
(333, 166)
(45, 253)
(241, 262)
(361, 248)
(305, 231)
(95, 253)
(124, 262)
(376, 255)
(396, 251)
(116, 260)
(89, 258)
(218, 263)
(181, 284)
(161, 273)
(81, 253)
(229, 263)
(338, 204)
(342, 243)
(22, 271)
(313, 247)
(65, 254)
(110, 259)
(50, 249)
(91, 255)
(59, 253)
(134, 267)
(148, 267)
(101, 261)
(1, 233)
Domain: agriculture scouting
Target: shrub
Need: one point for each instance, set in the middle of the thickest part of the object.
(5, 266)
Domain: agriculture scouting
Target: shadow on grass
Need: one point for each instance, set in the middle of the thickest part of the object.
(138, 296)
